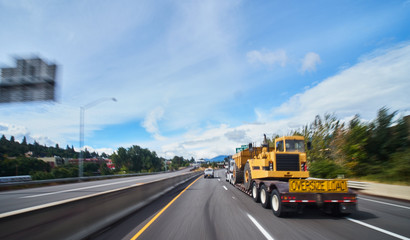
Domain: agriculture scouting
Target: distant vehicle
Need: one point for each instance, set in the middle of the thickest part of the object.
(229, 171)
(209, 172)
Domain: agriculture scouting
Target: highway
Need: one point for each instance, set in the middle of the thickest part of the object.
(28, 199)
(214, 209)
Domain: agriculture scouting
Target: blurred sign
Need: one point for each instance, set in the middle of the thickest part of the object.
(32, 80)
(243, 147)
(322, 186)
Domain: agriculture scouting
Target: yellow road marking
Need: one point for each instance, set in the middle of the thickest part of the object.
(156, 216)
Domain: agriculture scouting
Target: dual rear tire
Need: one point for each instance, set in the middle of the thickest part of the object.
(255, 193)
(264, 197)
(267, 200)
(276, 204)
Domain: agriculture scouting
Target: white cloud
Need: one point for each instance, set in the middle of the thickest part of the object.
(167, 71)
(374, 82)
(309, 62)
(363, 88)
(186, 63)
(90, 149)
(151, 122)
(268, 58)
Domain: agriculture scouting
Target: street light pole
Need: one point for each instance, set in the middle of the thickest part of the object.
(82, 113)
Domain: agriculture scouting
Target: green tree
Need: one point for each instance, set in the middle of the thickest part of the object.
(120, 158)
(380, 142)
(354, 147)
(24, 142)
(321, 133)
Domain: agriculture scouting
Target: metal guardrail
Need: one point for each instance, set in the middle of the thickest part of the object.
(75, 179)
(357, 185)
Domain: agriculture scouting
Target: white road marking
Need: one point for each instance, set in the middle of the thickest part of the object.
(76, 189)
(390, 204)
(263, 231)
(378, 229)
(233, 197)
(225, 188)
(219, 180)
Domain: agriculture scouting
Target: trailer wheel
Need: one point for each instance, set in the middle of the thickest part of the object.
(237, 175)
(337, 212)
(255, 192)
(276, 204)
(264, 195)
(247, 177)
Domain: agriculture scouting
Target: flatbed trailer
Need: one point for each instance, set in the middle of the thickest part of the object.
(275, 194)
(278, 177)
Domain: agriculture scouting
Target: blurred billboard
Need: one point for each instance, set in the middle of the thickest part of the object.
(31, 80)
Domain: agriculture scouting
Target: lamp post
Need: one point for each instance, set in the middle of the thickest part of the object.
(82, 112)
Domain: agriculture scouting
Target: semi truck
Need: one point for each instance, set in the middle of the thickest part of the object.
(278, 178)
(229, 170)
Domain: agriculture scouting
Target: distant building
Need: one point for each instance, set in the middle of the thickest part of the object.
(107, 161)
(85, 160)
(110, 164)
(53, 161)
(32, 80)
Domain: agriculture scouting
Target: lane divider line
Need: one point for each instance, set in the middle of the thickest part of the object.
(263, 231)
(225, 188)
(165, 208)
(390, 204)
(378, 229)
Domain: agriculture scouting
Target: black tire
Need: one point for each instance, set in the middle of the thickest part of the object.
(336, 211)
(264, 197)
(255, 192)
(276, 204)
(247, 177)
(237, 175)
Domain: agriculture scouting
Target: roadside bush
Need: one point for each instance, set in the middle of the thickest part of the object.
(399, 169)
(40, 175)
(326, 169)
(60, 172)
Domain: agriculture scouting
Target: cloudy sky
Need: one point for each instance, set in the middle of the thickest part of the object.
(199, 78)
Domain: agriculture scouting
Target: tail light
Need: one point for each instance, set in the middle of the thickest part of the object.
(271, 166)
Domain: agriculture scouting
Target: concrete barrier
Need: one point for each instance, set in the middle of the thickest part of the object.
(78, 218)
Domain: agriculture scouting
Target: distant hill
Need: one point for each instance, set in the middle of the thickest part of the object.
(219, 158)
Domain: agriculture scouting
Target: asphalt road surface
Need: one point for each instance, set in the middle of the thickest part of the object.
(214, 209)
(25, 199)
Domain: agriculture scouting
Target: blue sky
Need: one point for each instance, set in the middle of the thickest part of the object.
(199, 78)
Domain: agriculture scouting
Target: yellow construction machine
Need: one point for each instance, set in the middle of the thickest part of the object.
(278, 177)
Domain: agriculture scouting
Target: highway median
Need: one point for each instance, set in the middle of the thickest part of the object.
(79, 217)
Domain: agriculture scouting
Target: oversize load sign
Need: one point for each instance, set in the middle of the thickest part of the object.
(318, 186)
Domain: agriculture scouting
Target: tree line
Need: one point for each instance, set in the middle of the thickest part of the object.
(13, 148)
(13, 160)
(137, 159)
(376, 150)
